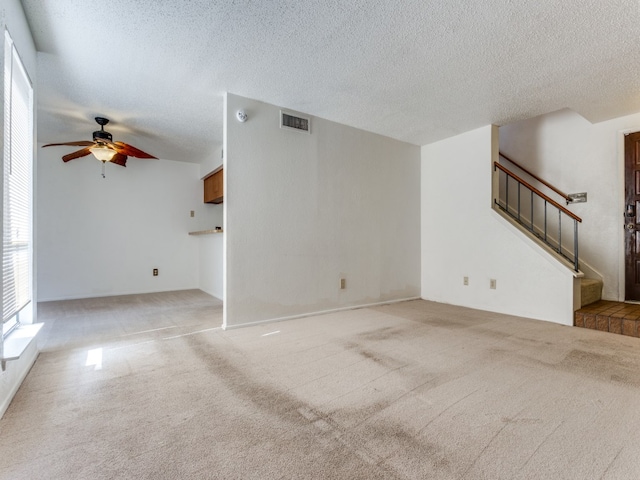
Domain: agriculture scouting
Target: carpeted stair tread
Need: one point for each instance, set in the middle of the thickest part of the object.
(591, 291)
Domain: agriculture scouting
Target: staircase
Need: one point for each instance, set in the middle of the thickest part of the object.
(547, 221)
(555, 229)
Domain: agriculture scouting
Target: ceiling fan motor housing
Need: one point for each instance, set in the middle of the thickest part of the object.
(102, 135)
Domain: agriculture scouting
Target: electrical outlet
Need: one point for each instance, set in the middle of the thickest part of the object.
(193, 213)
(492, 284)
(465, 281)
(155, 272)
(343, 283)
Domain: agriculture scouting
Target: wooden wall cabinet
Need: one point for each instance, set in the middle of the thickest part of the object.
(213, 188)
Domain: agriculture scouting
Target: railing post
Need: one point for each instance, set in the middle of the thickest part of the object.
(560, 231)
(575, 245)
(531, 212)
(506, 200)
(519, 200)
(545, 221)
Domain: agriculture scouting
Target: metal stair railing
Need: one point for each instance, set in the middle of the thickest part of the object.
(530, 209)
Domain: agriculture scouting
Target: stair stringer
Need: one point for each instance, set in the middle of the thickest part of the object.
(585, 269)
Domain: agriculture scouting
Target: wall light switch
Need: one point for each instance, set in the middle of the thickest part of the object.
(343, 283)
(492, 284)
(193, 213)
(155, 272)
(466, 280)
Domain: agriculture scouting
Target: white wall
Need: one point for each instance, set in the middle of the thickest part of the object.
(303, 210)
(211, 163)
(577, 156)
(103, 236)
(463, 236)
(211, 278)
(12, 17)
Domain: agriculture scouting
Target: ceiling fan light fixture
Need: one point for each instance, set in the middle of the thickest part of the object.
(103, 153)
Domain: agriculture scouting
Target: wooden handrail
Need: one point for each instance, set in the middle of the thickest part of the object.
(537, 192)
(559, 192)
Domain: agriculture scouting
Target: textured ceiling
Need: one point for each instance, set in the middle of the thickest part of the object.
(418, 71)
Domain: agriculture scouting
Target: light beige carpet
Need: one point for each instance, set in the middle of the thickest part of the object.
(147, 387)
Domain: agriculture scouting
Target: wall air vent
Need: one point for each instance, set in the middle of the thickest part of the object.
(301, 124)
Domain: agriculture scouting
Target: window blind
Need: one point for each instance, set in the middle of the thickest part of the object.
(17, 198)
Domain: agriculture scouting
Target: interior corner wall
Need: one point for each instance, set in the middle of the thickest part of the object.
(13, 19)
(578, 156)
(104, 236)
(462, 236)
(304, 210)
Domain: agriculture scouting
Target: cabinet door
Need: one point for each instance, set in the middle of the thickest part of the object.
(213, 188)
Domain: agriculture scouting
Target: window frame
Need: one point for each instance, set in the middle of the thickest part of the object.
(23, 297)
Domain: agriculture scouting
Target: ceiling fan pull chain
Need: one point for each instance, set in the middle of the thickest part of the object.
(103, 163)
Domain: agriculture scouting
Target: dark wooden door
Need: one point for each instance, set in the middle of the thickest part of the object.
(632, 216)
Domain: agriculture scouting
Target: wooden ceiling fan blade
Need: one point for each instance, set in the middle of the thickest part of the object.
(80, 153)
(81, 143)
(131, 151)
(119, 159)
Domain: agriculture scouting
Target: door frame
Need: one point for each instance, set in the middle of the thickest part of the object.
(620, 211)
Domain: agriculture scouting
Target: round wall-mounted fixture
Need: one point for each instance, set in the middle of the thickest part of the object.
(242, 116)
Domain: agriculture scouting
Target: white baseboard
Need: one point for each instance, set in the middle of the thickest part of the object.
(320, 312)
(112, 294)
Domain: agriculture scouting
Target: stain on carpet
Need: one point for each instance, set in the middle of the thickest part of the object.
(602, 366)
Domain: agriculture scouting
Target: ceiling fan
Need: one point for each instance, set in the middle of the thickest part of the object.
(103, 148)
